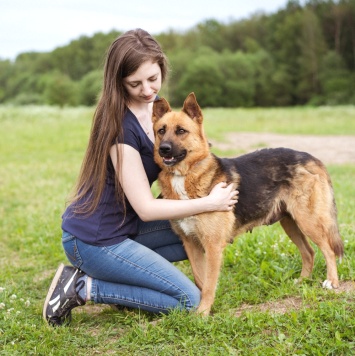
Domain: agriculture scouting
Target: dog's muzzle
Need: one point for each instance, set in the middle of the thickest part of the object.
(169, 155)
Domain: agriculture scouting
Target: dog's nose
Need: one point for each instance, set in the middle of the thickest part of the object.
(165, 148)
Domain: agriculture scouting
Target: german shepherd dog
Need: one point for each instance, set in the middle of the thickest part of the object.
(278, 184)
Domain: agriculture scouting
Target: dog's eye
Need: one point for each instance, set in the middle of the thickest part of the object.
(180, 131)
(161, 131)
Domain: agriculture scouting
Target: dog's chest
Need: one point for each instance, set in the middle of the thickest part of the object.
(178, 185)
(186, 224)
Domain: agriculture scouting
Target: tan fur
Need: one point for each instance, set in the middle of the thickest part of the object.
(308, 200)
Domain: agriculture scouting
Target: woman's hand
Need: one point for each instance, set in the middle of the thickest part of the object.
(223, 197)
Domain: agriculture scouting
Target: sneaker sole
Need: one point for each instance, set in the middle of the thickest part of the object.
(51, 290)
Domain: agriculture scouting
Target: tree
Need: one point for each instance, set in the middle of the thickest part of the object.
(312, 49)
(212, 34)
(238, 83)
(89, 88)
(60, 90)
(264, 67)
(6, 71)
(338, 83)
(202, 76)
(83, 55)
(285, 28)
(179, 61)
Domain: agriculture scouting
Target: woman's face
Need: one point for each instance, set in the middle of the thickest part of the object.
(143, 85)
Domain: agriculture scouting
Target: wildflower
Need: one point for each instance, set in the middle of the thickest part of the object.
(2, 289)
(2, 305)
(14, 296)
(27, 303)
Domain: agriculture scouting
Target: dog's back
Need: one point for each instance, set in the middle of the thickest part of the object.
(270, 178)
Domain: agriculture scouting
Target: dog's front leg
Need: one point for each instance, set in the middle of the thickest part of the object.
(213, 262)
(197, 260)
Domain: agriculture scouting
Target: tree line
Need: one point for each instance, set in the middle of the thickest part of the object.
(301, 54)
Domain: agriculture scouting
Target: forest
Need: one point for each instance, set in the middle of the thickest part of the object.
(299, 55)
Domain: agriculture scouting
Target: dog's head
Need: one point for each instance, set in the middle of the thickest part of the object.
(179, 136)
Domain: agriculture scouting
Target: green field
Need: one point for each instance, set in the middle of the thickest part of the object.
(41, 149)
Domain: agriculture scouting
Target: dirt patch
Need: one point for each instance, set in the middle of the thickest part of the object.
(346, 287)
(329, 149)
(278, 307)
(292, 303)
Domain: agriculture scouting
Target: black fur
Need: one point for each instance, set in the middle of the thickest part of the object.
(263, 174)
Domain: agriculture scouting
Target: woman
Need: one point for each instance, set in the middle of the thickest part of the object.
(115, 233)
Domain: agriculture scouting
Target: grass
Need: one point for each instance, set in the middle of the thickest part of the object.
(299, 120)
(41, 150)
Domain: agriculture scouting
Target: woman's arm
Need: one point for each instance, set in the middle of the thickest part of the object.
(137, 190)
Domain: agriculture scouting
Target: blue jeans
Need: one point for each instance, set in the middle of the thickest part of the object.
(137, 273)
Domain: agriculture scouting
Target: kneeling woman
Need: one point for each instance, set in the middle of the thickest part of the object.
(116, 235)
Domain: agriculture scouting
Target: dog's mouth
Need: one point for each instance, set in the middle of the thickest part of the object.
(172, 160)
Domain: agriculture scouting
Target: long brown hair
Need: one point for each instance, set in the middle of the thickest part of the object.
(124, 57)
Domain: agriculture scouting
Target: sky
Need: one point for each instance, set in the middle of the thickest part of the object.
(43, 25)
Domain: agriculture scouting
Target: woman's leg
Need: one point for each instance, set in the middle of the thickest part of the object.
(132, 275)
(159, 237)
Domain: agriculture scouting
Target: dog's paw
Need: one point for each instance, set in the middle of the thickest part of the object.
(204, 311)
(327, 284)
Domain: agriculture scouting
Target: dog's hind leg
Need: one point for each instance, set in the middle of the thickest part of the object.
(300, 240)
(322, 228)
(314, 210)
(324, 233)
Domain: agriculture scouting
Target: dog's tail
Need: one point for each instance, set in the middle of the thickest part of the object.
(335, 239)
(328, 210)
(336, 242)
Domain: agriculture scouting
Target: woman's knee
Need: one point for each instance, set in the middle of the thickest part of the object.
(192, 299)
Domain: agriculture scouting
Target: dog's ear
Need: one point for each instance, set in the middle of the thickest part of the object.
(192, 108)
(160, 108)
